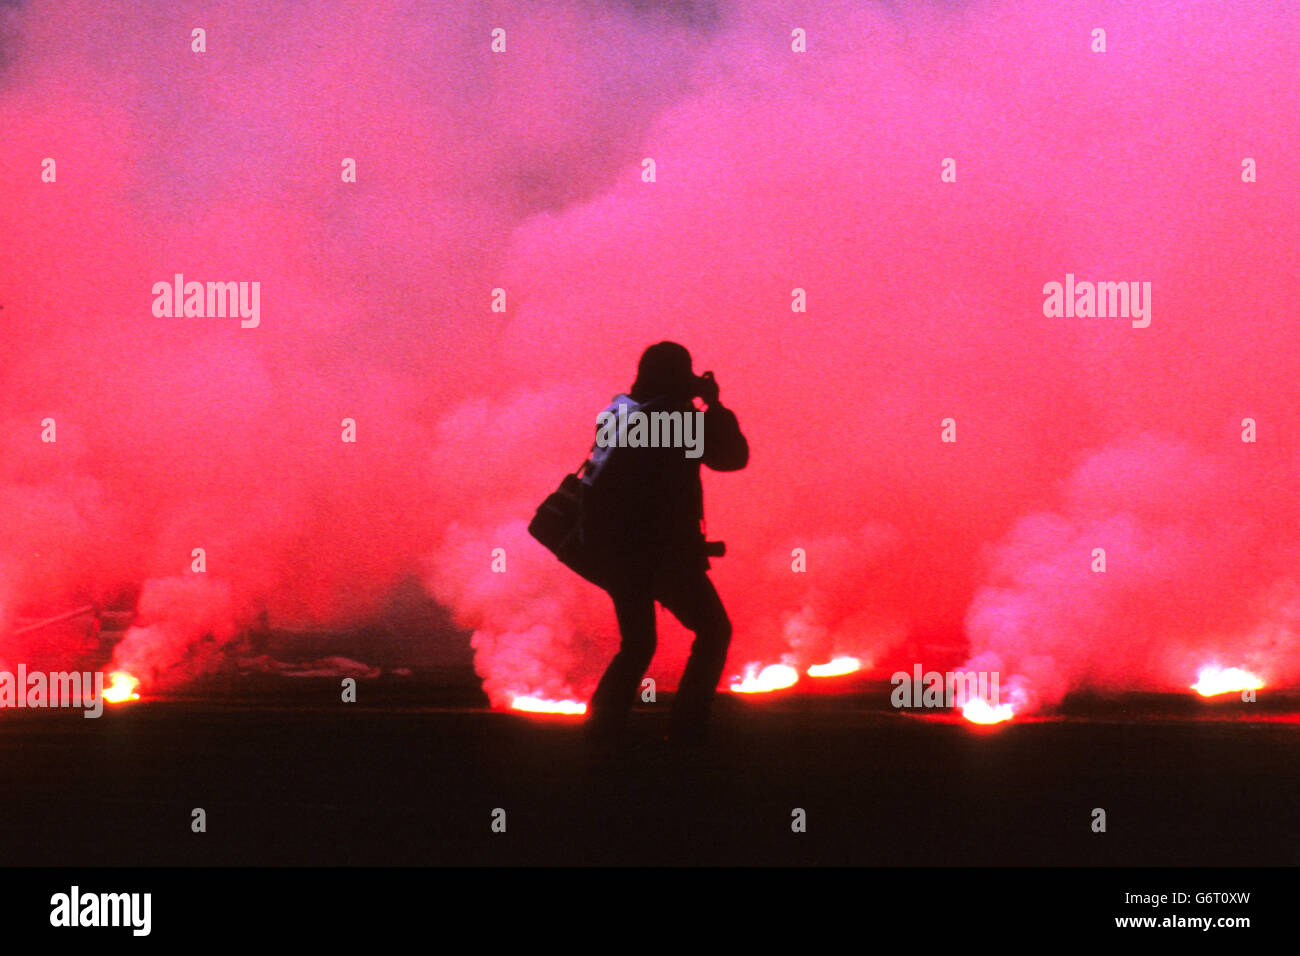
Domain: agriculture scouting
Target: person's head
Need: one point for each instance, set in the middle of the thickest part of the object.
(664, 369)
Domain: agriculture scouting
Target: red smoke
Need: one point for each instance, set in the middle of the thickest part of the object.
(775, 170)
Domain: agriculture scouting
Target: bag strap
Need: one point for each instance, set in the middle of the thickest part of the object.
(640, 405)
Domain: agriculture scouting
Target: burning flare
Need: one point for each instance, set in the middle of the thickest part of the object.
(1216, 680)
(770, 678)
(979, 711)
(540, 705)
(835, 667)
(121, 688)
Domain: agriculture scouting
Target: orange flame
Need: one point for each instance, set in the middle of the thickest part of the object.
(770, 678)
(835, 667)
(122, 688)
(540, 705)
(1217, 680)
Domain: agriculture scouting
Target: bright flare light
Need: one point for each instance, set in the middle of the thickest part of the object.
(772, 677)
(979, 711)
(539, 705)
(835, 667)
(122, 688)
(1215, 680)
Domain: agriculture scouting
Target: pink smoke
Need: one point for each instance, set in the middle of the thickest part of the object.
(775, 170)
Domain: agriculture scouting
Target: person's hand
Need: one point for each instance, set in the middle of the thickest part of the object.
(708, 389)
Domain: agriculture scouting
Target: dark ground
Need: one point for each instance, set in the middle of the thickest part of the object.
(285, 780)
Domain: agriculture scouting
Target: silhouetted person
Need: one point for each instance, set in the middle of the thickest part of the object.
(643, 516)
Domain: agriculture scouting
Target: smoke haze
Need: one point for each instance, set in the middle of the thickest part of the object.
(774, 170)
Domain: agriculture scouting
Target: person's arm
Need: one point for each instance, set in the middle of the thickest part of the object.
(725, 448)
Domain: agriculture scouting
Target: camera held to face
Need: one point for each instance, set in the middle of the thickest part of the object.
(706, 388)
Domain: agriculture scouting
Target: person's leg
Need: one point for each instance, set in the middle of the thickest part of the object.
(694, 601)
(616, 692)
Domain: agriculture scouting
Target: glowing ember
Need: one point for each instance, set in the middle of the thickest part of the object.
(835, 667)
(1215, 680)
(121, 688)
(540, 705)
(979, 711)
(772, 677)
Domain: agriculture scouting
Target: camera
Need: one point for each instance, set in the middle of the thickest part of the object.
(715, 549)
(706, 387)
